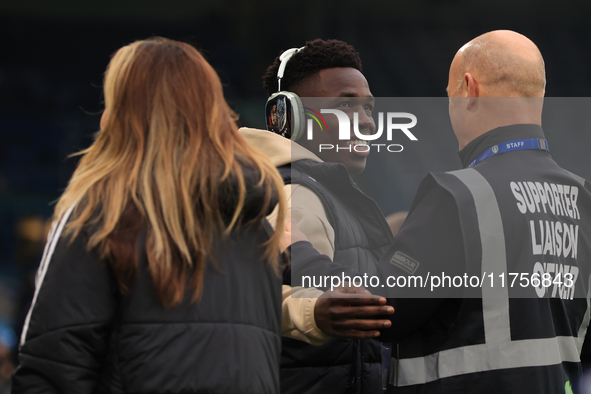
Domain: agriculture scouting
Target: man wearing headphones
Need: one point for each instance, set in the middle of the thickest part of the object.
(325, 204)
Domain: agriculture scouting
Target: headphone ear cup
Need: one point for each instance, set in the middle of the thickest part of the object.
(284, 115)
(298, 118)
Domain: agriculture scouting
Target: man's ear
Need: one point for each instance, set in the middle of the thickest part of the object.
(473, 91)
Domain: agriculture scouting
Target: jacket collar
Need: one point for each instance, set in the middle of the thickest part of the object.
(497, 136)
(278, 149)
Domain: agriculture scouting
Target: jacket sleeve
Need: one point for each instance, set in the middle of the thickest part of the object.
(298, 312)
(307, 210)
(67, 330)
(298, 315)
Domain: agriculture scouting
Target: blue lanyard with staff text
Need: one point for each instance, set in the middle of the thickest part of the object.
(530, 143)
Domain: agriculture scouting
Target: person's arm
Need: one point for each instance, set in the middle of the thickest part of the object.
(341, 313)
(432, 237)
(313, 316)
(66, 333)
(298, 315)
(307, 212)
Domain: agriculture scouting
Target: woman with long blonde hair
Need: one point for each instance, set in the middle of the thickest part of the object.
(160, 274)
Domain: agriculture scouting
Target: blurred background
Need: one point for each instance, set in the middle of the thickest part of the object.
(54, 54)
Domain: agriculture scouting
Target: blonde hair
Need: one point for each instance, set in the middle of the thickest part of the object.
(167, 148)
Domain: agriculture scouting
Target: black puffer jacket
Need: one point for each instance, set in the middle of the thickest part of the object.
(82, 336)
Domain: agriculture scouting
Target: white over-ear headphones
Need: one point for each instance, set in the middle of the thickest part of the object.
(284, 112)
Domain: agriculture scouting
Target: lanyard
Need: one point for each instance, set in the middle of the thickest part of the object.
(530, 143)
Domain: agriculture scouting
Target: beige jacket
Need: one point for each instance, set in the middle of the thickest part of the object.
(306, 209)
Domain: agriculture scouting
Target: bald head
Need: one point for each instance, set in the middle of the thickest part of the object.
(505, 64)
(495, 80)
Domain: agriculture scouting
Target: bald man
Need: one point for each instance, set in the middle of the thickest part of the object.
(510, 232)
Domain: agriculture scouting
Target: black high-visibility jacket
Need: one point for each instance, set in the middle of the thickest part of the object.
(507, 220)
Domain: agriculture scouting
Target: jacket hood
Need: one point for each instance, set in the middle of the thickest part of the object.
(278, 149)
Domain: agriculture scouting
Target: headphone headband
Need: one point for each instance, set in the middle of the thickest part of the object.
(284, 58)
